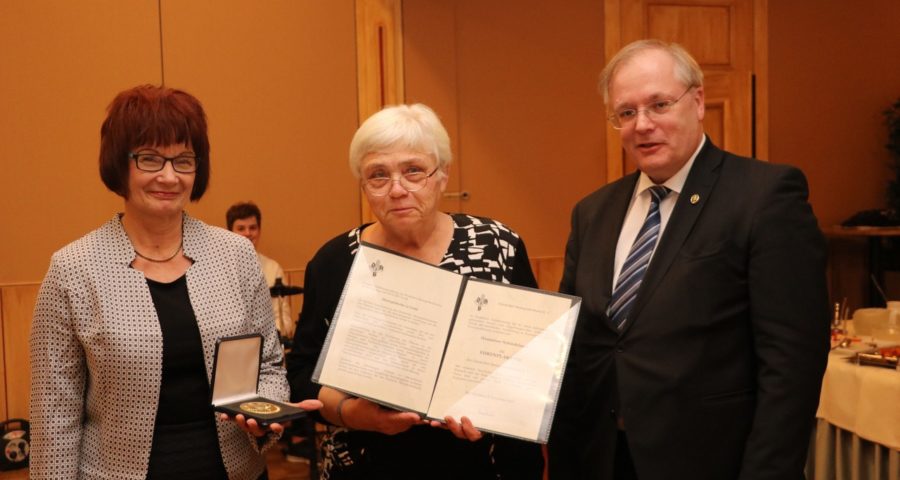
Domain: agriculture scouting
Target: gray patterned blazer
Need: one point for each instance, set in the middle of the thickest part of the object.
(96, 351)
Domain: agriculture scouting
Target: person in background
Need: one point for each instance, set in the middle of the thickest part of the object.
(245, 219)
(401, 156)
(703, 332)
(127, 317)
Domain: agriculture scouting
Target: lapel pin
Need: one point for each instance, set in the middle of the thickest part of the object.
(694, 199)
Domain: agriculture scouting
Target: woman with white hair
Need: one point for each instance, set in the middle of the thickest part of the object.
(401, 156)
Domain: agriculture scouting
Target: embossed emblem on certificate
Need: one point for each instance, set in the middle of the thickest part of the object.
(260, 407)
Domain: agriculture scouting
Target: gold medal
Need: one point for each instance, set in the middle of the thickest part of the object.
(260, 407)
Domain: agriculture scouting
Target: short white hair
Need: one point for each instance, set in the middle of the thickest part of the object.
(687, 71)
(413, 127)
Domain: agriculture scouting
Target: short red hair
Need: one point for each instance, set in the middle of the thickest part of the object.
(152, 115)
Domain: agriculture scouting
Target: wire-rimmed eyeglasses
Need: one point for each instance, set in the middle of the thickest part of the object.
(411, 182)
(628, 116)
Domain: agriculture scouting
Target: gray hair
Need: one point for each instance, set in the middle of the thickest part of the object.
(414, 127)
(687, 70)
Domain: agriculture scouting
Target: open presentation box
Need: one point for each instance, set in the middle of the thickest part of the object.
(235, 382)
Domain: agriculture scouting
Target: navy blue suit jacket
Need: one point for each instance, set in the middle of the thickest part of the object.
(718, 370)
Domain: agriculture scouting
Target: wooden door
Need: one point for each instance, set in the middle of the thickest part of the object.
(379, 58)
(386, 29)
(727, 38)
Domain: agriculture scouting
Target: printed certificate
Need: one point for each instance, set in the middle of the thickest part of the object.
(419, 338)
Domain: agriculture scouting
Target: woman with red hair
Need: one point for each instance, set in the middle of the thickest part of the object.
(127, 317)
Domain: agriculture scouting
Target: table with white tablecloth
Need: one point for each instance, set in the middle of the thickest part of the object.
(857, 434)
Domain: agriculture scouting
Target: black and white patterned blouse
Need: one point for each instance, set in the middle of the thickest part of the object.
(480, 247)
(96, 351)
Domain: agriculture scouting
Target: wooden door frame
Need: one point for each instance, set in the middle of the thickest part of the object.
(379, 59)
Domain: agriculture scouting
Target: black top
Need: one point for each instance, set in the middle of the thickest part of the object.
(185, 442)
(482, 248)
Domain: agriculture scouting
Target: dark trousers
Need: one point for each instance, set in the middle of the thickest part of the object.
(623, 466)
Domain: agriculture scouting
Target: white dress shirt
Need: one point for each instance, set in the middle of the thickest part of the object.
(640, 205)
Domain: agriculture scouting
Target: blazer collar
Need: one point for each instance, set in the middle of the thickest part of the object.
(193, 230)
(123, 251)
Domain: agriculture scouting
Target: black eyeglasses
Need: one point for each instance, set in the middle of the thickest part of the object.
(154, 162)
(627, 116)
(411, 182)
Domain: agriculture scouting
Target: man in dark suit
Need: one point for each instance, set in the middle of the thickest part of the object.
(703, 333)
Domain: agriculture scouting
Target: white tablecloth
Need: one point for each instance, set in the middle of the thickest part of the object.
(862, 399)
(857, 436)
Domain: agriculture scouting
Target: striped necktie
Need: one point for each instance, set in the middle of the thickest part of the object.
(637, 260)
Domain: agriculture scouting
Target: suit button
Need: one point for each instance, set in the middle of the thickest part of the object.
(612, 413)
(620, 349)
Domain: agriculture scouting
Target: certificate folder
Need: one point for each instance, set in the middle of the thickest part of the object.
(235, 380)
(415, 337)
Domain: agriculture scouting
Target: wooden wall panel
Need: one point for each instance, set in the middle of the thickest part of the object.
(732, 93)
(379, 60)
(379, 55)
(683, 23)
(430, 77)
(761, 78)
(524, 93)
(839, 145)
(3, 409)
(714, 121)
(530, 113)
(278, 81)
(61, 63)
(17, 308)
